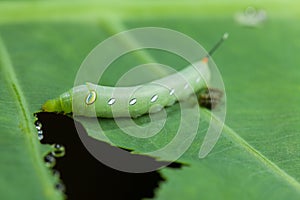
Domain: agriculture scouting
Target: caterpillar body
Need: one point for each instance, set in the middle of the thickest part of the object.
(111, 102)
(108, 102)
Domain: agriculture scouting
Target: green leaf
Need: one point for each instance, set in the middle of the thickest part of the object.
(22, 167)
(257, 154)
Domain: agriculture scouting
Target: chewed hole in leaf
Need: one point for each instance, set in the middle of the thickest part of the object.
(83, 175)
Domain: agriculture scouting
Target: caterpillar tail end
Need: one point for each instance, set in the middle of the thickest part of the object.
(52, 105)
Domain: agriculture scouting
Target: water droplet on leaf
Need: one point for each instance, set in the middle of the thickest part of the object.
(58, 151)
(50, 161)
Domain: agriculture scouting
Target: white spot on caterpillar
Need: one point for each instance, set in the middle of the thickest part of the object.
(132, 101)
(172, 91)
(91, 97)
(197, 80)
(111, 101)
(154, 98)
(186, 86)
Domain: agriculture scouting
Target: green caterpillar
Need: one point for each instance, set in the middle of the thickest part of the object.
(108, 102)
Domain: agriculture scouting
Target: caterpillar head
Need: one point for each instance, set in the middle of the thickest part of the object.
(209, 98)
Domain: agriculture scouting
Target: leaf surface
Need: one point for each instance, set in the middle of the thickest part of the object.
(257, 156)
